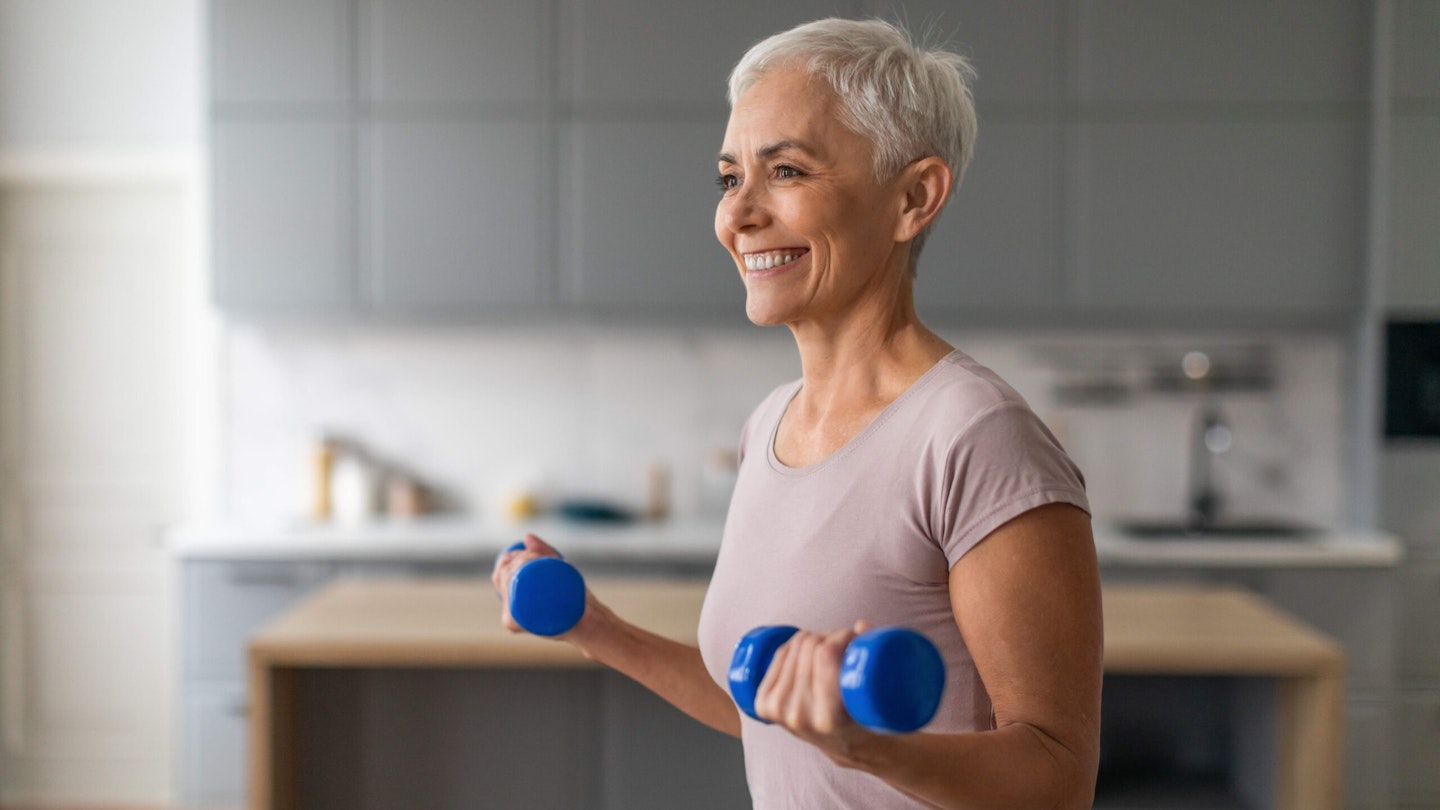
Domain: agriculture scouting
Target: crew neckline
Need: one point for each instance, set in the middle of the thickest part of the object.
(858, 439)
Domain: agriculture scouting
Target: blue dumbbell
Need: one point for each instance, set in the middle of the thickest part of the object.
(891, 678)
(547, 596)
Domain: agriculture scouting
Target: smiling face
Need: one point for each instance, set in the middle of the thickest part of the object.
(811, 231)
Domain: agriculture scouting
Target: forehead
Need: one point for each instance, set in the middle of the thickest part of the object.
(788, 105)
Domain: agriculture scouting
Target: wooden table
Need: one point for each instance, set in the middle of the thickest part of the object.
(1179, 630)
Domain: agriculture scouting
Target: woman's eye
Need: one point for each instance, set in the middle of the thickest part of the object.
(786, 172)
(727, 181)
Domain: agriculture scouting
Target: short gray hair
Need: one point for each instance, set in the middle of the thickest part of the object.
(910, 101)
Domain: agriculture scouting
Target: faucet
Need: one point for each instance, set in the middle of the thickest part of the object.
(1209, 438)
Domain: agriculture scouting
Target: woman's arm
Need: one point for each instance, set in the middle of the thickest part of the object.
(672, 670)
(1027, 602)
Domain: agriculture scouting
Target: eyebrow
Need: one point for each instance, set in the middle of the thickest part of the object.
(771, 150)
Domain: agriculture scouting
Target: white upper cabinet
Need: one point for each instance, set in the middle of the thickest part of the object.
(280, 51)
(1223, 50)
(494, 52)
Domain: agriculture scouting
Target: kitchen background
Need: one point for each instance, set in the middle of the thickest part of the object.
(226, 231)
(590, 410)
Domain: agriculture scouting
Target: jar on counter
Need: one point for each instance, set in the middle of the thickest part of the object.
(404, 496)
(353, 487)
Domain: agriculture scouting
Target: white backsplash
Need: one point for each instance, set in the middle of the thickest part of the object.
(481, 413)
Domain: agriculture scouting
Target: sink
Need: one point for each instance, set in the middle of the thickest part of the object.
(1246, 530)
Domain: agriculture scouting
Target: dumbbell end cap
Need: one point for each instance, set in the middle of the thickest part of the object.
(751, 659)
(892, 679)
(547, 596)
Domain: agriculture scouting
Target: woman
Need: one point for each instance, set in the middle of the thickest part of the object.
(897, 482)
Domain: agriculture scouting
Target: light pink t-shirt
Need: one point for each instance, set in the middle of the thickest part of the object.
(871, 532)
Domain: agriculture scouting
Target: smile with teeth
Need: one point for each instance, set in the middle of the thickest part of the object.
(773, 258)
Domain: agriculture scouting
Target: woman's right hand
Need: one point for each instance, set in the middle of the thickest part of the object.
(505, 568)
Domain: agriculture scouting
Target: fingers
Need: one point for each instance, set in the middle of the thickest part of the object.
(507, 564)
(534, 543)
(801, 688)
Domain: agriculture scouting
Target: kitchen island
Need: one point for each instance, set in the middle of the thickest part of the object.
(448, 625)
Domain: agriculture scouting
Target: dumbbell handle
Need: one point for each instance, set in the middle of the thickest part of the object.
(547, 596)
(891, 678)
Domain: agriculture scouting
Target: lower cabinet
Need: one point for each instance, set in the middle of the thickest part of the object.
(1417, 701)
(1358, 608)
(212, 762)
(1417, 736)
(223, 601)
(433, 738)
(533, 738)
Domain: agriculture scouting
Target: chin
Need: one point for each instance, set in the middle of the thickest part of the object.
(765, 313)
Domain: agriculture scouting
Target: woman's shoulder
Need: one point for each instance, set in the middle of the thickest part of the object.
(961, 391)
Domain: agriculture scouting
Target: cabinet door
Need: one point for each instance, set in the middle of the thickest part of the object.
(1414, 280)
(454, 217)
(1368, 755)
(638, 220)
(280, 51)
(1419, 639)
(1417, 59)
(1408, 475)
(998, 241)
(213, 747)
(1223, 50)
(678, 52)
(1016, 48)
(447, 52)
(1265, 217)
(1417, 727)
(282, 238)
(656, 757)
(1355, 607)
(226, 601)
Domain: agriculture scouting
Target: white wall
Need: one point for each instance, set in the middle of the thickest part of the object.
(105, 96)
(100, 75)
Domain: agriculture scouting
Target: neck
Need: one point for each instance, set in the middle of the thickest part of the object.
(871, 351)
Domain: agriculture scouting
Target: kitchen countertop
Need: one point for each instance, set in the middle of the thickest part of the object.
(696, 541)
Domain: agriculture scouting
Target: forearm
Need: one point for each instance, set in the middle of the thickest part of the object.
(1016, 766)
(670, 669)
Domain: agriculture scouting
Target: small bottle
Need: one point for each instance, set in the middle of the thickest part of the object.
(352, 487)
(322, 468)
(658, 491)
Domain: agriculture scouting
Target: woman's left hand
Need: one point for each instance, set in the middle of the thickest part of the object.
(801, 692)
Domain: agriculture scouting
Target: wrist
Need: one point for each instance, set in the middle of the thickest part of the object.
(867, 751)
(595, 625)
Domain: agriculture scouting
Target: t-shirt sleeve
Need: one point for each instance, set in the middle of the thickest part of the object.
(1005, 463)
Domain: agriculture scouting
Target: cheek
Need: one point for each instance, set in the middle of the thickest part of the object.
(722, 233)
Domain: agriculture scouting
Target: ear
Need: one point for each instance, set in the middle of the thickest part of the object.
(924, 186)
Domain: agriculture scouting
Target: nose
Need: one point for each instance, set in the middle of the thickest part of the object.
(740, 210)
